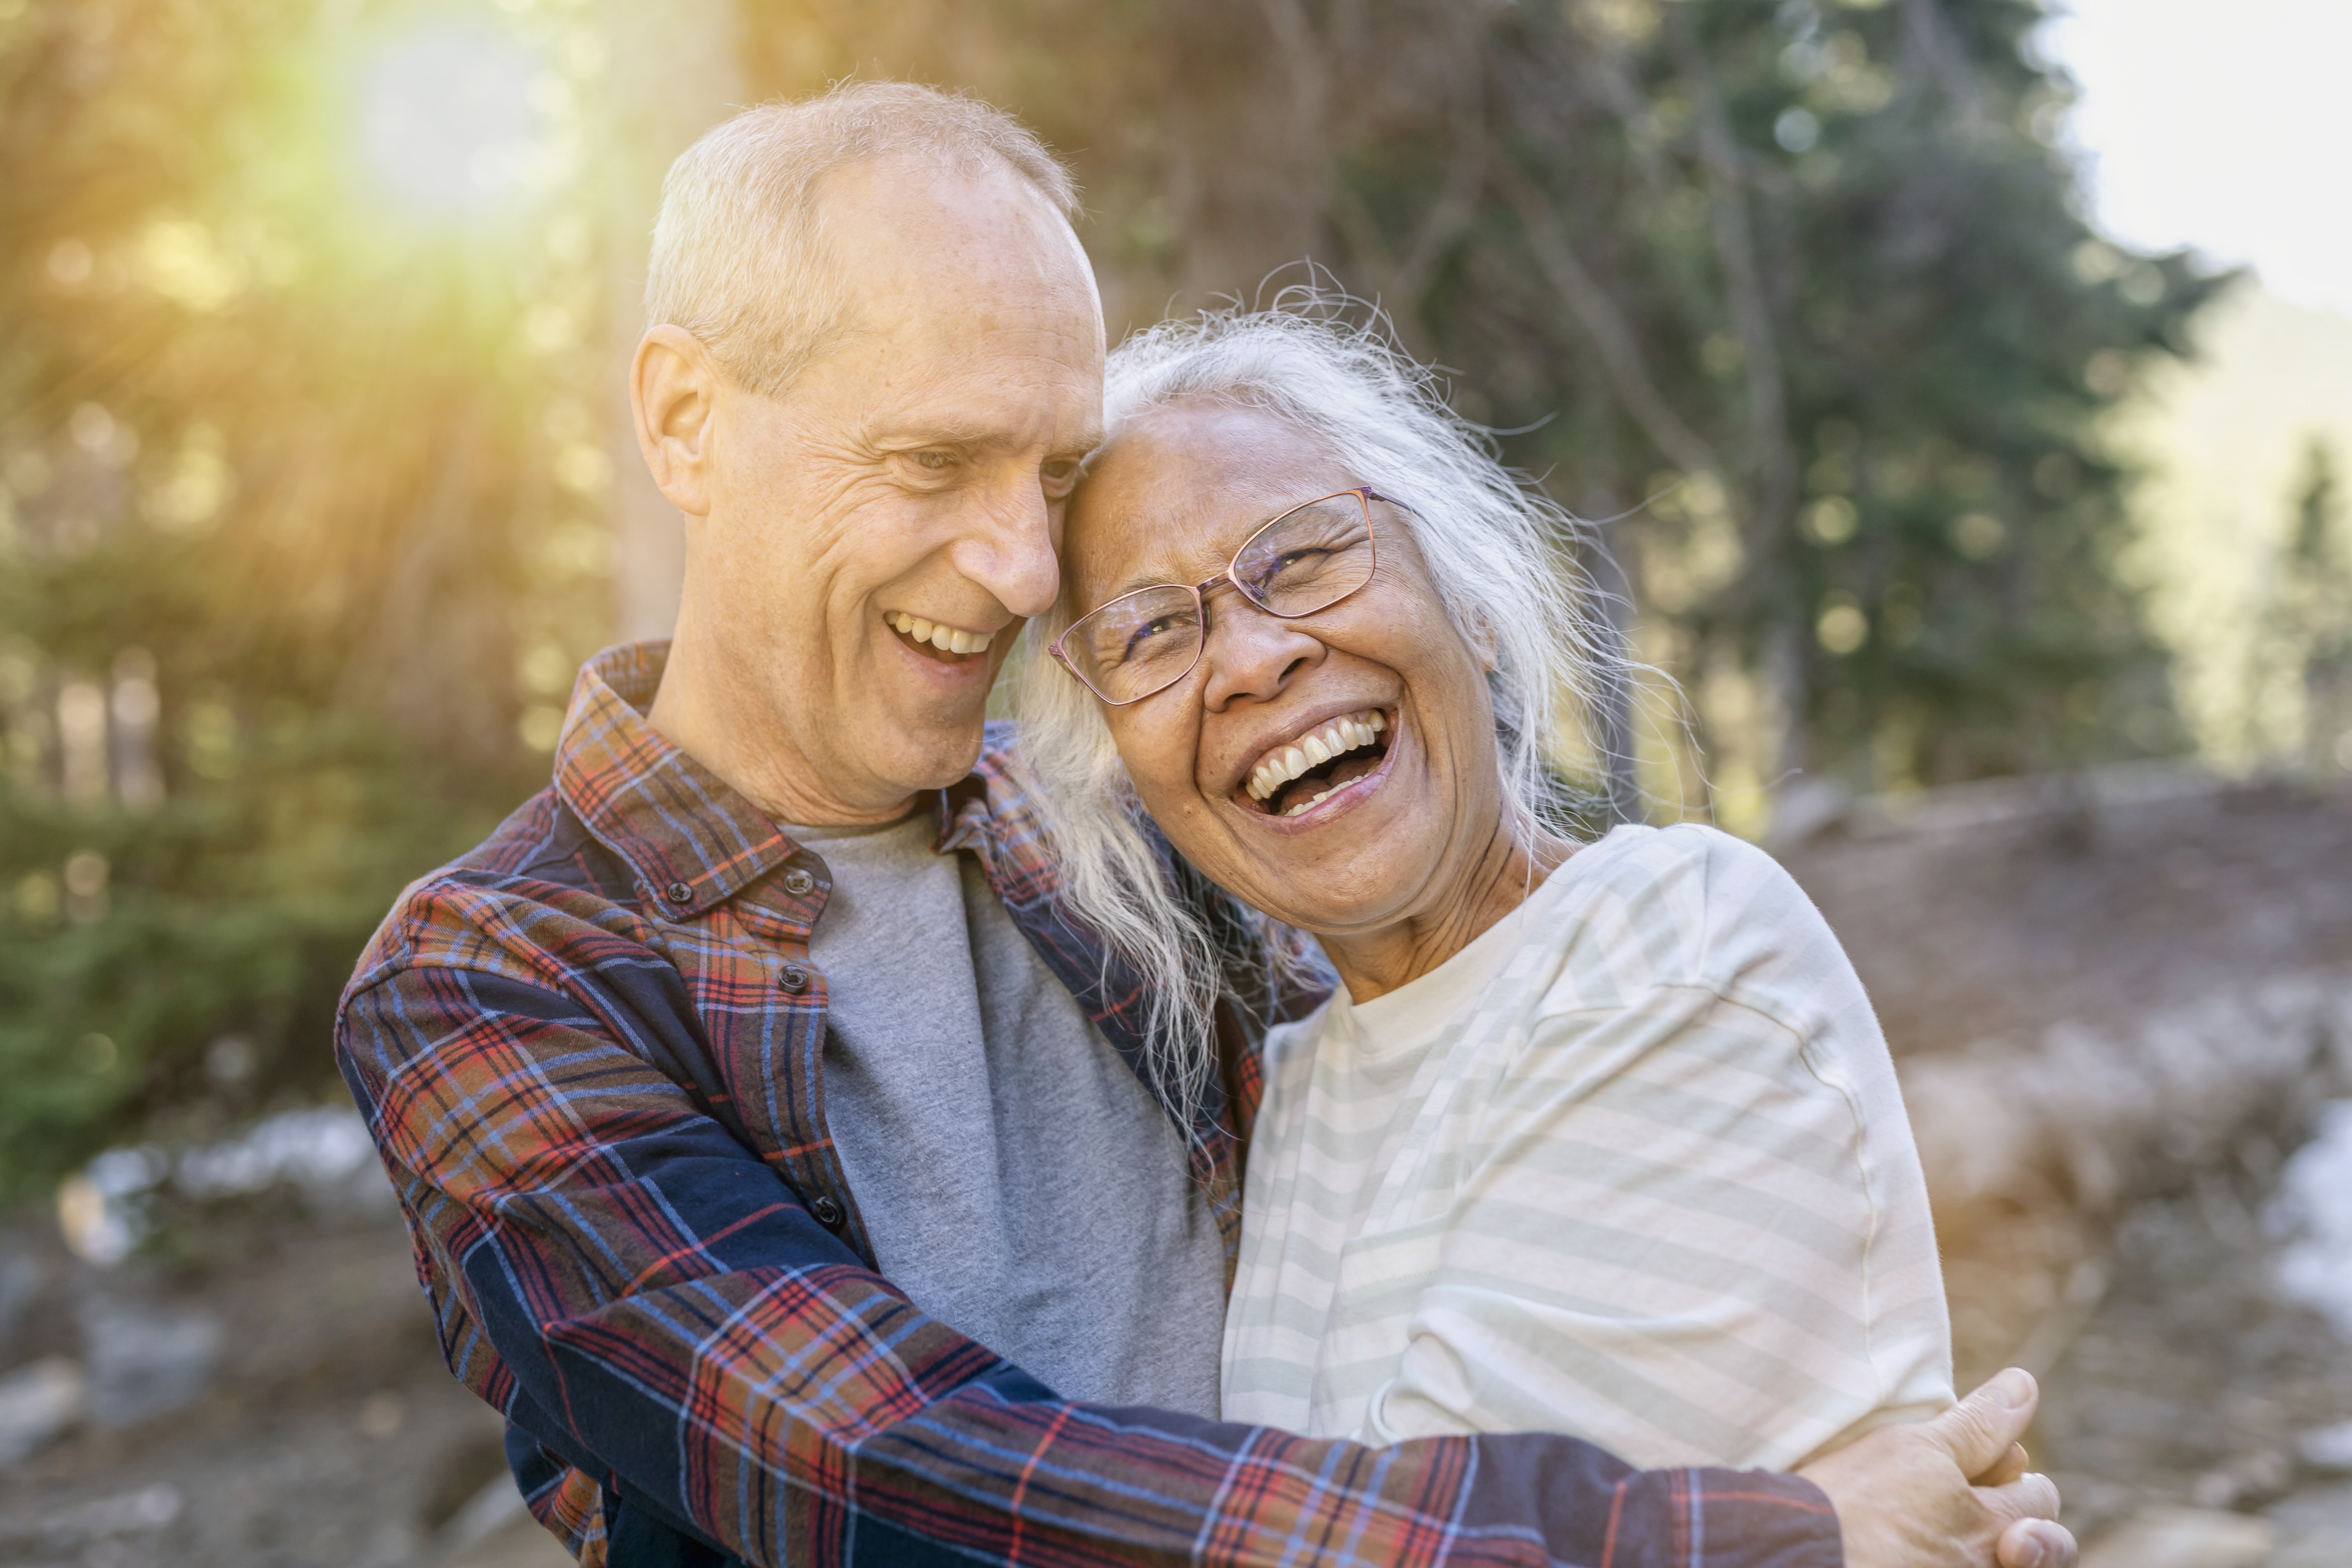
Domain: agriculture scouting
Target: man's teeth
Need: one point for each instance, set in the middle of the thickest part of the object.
(945, 639)
(1340, 736)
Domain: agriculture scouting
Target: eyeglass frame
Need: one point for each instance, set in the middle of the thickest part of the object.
(1200, 591)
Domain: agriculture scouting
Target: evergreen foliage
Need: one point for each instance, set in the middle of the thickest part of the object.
(279, 545)
(302, 532)
(2310, 626)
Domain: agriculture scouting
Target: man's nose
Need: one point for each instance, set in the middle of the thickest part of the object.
(1251, 654)
(1005, 545)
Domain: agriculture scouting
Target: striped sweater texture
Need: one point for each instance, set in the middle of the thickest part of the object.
(1631, 1166)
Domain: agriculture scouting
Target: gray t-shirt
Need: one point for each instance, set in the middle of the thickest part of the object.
(1017, 1180)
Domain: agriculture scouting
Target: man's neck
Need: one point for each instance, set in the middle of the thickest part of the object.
(731, 726)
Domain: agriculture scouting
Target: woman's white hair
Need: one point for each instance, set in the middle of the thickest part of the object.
(1502, 559)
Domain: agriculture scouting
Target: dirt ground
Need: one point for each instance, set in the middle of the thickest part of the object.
(1994, 913)
(2006, 906)
(321, 1431)
(329, 1434)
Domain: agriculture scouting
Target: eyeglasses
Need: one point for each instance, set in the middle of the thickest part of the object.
(1308, 559)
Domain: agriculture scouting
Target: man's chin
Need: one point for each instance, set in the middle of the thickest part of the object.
(930, 756)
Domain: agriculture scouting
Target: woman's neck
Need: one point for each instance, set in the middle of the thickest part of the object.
(1372, 963)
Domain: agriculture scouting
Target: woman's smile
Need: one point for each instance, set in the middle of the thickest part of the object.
(1335, 768)
(1319, 760)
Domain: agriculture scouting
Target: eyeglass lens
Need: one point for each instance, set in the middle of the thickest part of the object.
(1304, 561)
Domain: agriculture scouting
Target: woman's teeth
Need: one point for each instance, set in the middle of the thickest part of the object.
(945, 639)
(1347, 733)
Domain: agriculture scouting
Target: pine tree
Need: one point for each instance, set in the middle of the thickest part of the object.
(287, 555)
(1808, 279)
(2311, 618)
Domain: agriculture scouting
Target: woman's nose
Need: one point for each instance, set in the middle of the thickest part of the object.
(1250, 655)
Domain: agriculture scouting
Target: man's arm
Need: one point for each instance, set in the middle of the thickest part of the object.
(634, 1285)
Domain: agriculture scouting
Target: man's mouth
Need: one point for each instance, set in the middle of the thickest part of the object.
(937, 640)
(1296, 776)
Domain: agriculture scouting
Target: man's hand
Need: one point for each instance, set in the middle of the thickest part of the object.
(1949, 1493)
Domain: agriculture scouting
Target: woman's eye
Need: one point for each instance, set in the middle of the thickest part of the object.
(934, 462)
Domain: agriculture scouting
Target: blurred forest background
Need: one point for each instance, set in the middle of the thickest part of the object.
(314, 496)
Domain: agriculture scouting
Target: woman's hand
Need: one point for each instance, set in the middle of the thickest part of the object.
(1950, 1493)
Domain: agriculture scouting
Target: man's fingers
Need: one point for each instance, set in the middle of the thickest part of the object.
(2027, 1497)
(2005, 1469)
(1979, 1430)
(2035, 1543)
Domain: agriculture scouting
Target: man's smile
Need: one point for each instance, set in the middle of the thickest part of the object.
(936, 639)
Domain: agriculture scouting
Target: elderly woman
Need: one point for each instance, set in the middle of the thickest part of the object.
(1600, 1139)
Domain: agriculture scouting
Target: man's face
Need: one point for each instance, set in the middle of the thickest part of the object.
(908, 485)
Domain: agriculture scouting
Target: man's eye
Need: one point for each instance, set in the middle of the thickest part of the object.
(936, 462)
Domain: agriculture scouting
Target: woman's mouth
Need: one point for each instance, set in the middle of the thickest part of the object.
(1294, 776)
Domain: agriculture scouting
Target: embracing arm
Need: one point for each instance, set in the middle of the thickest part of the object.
(655, 1304)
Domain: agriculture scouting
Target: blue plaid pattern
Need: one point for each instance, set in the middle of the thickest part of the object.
(588, 1053)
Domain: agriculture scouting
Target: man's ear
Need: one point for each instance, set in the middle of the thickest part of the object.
(674, 397)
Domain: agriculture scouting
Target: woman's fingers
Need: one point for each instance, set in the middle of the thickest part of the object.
(1979, 1431)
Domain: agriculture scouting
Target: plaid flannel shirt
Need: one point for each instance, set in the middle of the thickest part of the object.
(588, 1053)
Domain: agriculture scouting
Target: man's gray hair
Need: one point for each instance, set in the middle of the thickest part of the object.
(741, 256)
(1499, 553)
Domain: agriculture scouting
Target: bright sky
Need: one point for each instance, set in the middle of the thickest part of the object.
(2225, 126)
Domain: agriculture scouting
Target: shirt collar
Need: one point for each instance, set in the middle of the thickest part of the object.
(679, 825)
(692, 841)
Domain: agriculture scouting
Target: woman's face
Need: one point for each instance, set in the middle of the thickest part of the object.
(1402, 819)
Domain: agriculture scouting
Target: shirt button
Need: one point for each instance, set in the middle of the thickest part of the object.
(797, 882)
(827, 1212)
(678, 893)
(794, 978)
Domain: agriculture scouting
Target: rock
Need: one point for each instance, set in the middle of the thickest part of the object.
(2312, 1552)
(2327, 1447)
(2031, 1145)
(145, 1361)
(493, 1530)
(138, 1512)
(496, 1505)
(2315, 1207)
(2183, 1537)
(2326, 1513)
(1806, 806)
(38, 1402)
(21, 1279)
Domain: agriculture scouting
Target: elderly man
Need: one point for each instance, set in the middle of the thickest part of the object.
(778, 1163)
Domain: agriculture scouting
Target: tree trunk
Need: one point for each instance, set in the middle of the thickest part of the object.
(673, 74)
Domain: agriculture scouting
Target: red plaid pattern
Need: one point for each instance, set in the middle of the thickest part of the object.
(588, 1053)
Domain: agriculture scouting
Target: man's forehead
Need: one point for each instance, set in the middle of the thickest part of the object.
(981, 329)
(908, 234)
